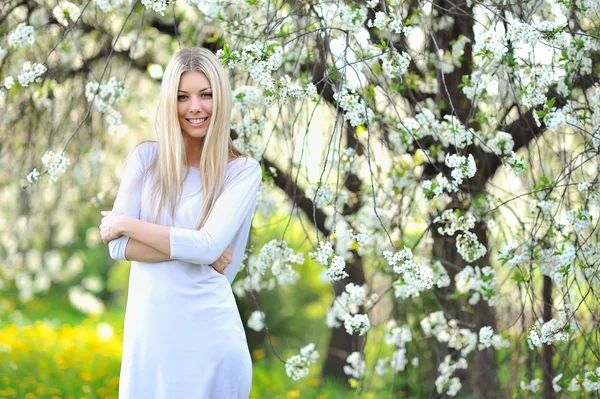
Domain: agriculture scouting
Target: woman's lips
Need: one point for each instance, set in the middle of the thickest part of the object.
(194, 122)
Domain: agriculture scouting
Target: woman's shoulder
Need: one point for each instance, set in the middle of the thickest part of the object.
(243, 166)
(145, 152)
(244, 162)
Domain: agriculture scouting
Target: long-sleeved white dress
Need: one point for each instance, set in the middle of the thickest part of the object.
(183, 336)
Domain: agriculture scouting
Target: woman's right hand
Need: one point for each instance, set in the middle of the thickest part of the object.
(224, 260)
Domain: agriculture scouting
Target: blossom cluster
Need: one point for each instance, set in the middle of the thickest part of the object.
(105, 97)
(388, 21)
(436, 187)
(341, 16)
(450, 222)
(469, 247)
(556, 329)
(514, 164)
(557, 263)
(533, 386)
(355, 110)
(256, 321)
(248, 129)
(65, 12)
(445, 381)
(414, 278)
(265, 202)
(275, 256)
(157, 5)
(462, 167)
(335, 264)
(298, 366)
(258, 59)
(357, 323)
(31, 73)
(362, 236)
(323, 194)
(580, 219)
(592, 192)
(590, 382)
(23, 36)
(395, 63)
(450, 131)
(106, 5)
(500, 143)
(356, 366)
(85, 301)
(212, 9)
(480, 281)
(487, 338)
(247, 97)
(475, 85)
(346, 306)
(396, 336)
(56, 164)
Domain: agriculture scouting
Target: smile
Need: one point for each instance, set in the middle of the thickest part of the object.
(197, 122)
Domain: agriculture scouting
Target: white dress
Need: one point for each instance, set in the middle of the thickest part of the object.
(183, 334)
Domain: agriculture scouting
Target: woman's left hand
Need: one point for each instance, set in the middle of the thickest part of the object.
(110, 225)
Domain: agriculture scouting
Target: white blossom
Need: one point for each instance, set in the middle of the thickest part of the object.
(358, 323)
(580, 220)
(462, 167)
(33, 176)
(450, 222)
(445, 381)
(355, 110)
(533, 386)
(66, 12)
(31, 73)
(555, 386)
(85, 301)
(256, 321)
(56, 164)
(500, 143)
(469, 247)
(395, 63)
(298, 366)
(247, 97)
(323, 254)
(9, 81)
(23, 36)
(480, 281)
(356, 367)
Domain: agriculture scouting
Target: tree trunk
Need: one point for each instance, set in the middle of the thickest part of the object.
(341, 344)
(547, 349)
(482, 374)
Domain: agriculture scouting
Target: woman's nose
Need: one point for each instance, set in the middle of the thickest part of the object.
(195, 104)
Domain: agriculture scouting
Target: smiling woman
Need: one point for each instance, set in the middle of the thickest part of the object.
(183, 336)
(194, 106)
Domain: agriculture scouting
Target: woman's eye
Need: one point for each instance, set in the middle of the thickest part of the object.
(181, 97)
(207, 95)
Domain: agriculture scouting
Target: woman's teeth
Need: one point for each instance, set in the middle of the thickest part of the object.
(196, 121)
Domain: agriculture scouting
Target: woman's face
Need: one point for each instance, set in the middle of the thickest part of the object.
(194, 104)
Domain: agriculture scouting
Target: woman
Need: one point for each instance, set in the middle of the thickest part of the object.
(183, 201)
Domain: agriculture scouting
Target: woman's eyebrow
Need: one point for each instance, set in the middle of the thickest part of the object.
(199, 91)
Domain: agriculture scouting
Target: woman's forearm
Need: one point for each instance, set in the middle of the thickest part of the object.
(141, 252)
(151, 235)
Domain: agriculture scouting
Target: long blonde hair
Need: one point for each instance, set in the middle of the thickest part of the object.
(167, 168)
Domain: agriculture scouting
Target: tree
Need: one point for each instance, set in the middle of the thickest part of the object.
(448, 148)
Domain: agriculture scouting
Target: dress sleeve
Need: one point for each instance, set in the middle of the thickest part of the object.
(236, 201)
(128, 199)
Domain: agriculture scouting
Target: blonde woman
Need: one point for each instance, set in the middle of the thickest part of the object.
(182, 217)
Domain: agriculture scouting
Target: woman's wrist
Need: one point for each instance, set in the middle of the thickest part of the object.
(122, 225)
